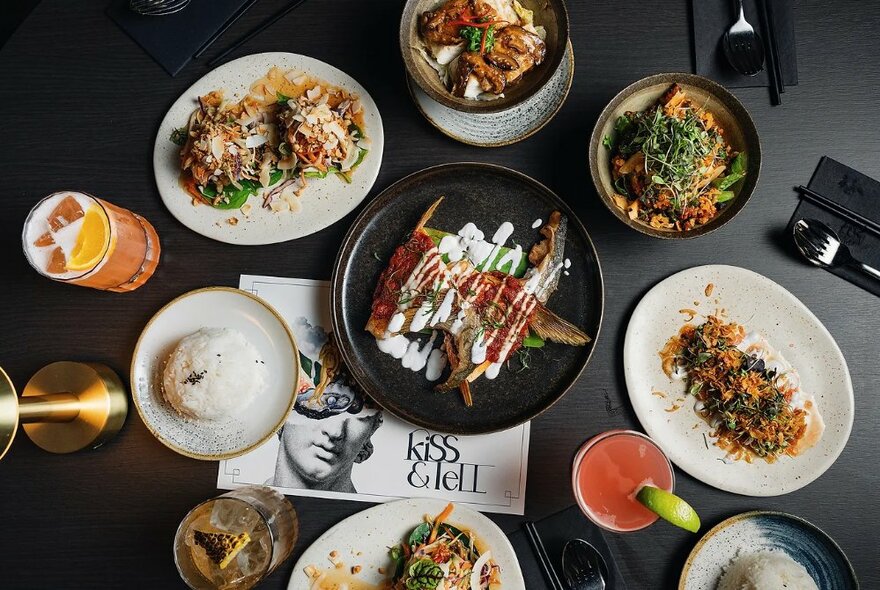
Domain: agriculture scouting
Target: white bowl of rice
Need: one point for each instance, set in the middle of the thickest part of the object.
(766, 570)
(214, 373)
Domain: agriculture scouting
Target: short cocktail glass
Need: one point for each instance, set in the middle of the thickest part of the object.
(265, 515)
(76, 238)
(610, 469)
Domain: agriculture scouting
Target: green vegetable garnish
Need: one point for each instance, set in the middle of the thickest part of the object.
(419, 534)
(474, 38)
(532, 340)
(424, 574)
(725, 196)
(179, 136)
(234, 198)
(606, 141)
(282, 98)
(737, 173)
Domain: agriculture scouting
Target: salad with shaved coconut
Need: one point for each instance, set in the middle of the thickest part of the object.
(288, 129)
(439, 556)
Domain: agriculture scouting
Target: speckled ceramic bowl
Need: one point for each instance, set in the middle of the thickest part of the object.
(752, 532)
(505, 128)
(215, 307)
(551, 14)
(740, 132)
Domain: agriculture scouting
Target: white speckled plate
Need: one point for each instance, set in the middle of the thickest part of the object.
(762, 306)
(364, 539)
(324, 201)
(752, 532)
(506, 127)
(215, 307)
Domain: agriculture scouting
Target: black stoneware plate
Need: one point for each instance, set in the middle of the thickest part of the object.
(486, 195)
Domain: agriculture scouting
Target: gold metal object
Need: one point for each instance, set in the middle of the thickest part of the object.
(65, 407)
(8, 412)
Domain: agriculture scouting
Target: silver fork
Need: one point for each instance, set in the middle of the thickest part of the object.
(743, 46)
(820, 245)
(583, 566)
(157, 7)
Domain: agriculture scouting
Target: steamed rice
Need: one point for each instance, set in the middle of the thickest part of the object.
(213, 374)
(767, 570)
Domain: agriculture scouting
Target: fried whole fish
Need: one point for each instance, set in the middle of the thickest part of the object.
(483, 314)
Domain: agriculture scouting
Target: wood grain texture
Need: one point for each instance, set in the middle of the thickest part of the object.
(81, 107)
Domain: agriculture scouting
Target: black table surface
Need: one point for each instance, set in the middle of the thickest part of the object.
(81, 106)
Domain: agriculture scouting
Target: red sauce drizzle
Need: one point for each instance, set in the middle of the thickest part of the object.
(405, 259)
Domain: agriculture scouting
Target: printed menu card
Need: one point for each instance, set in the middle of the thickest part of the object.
(348, 447)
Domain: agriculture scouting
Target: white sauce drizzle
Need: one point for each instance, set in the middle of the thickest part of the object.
(567, 263)
(459, 319)
(492, 370)
(416, 357)
(445, 308)
(478, 350)
(462, 282)
(396, 322)
(422, 317)
(537, 223)
(394, 345)
(436, 364)
(513, 256)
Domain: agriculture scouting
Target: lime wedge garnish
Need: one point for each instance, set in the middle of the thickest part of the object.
(669, 507)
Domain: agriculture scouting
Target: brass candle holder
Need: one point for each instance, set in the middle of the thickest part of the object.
(65, 407)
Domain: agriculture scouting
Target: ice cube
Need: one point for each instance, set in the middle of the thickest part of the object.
(225, 514)
(234, 516)
(44, 240)
(66, 212)
(253, 559)
(57, 262)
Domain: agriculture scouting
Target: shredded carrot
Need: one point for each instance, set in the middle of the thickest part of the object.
(439, 520)
(465, 388)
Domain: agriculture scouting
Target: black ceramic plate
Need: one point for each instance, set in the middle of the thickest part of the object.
(486, 195)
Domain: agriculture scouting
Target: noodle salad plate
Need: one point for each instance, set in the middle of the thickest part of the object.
(738, 382)
(267, 148)
(378, 548)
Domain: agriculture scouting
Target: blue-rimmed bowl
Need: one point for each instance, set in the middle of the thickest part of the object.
(752, 532)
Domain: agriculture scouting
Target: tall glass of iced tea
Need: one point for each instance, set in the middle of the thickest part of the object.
(77, 238)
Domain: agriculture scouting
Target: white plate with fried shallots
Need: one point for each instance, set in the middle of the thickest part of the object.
(739, 383)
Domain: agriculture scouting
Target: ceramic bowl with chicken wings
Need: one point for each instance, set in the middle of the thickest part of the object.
(467, 298)
(483, 56)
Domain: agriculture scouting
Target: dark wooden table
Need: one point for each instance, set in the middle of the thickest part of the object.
(81, 104)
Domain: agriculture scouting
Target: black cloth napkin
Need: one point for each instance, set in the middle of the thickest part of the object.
(553, 532)
(712, 18)
(857, 193)
(172, 39)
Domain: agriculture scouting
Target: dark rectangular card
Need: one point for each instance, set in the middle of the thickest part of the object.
(857, 193)
(172, 39)
(548, 536)
(712, 18)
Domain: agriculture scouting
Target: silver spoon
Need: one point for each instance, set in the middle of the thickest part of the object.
(743, 46)
(583, 566)
(820, 245)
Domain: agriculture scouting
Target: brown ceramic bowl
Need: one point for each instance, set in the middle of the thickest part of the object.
(739, 132)
(551, 14)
